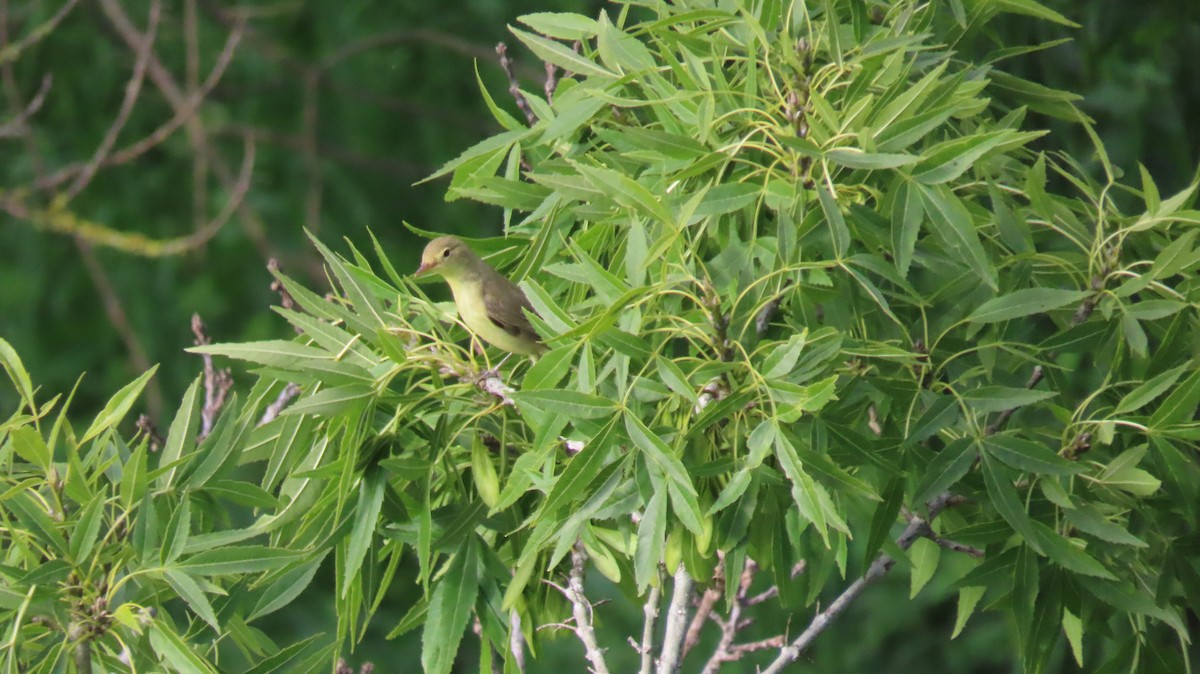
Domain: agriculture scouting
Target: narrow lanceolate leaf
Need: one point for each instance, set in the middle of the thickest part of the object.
(189, 590)
(181, 438)
(907, 213)
(569, 403)
(857, 159)
(176, 652)
(1028, 456)
(561, 25)
(947, 468)
(651, 531)
(1065, 554)
(366, 513)
(1025, 302)
(560, 55)
(838, 231)
(953, 224)
(1004, 498)
(1148, 390)
(1180, 405)
(238, 560)
(118, 406)
(999, 398)
(804, 489)
(449, 610)
(1091, 521)
(679, 485)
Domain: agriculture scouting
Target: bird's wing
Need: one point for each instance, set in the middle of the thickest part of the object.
(504, 302)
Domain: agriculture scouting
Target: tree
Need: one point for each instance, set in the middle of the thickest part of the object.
(816, 306)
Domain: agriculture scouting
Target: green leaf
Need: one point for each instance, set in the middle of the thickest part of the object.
(946, 469)
(684, 499)
(29, 445)
(1028, 456)
(571, 404)
(857, 159)
(999, 398)
(1180, 405)
(1004, 499)
(651, 531)
(11, 362)
(118, 406)
(176, 652)
(86, 531)
(782, 359)
(366, 514)
(968, 599)
(189, 590)
(181, 438)
(906, 218)
(553, 52)
(450, 607)
(924, 556)
(1148, 390)
(1089, 520)
(952, 222)
(561, 25)
(1065, 554)
(839, 233)
(285, 588)
(1025, 302)
(727, 198)
(242, 559)
(951, 159)
(804, 489)
(581, 470)
(1034, 9)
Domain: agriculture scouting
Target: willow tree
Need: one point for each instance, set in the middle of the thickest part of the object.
(818, 304)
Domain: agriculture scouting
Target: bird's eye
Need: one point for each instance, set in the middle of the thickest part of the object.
(446, 253)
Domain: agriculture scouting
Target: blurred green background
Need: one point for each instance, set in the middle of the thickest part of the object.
(346, 105)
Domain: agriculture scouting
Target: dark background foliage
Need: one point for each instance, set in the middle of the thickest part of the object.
(347, 105)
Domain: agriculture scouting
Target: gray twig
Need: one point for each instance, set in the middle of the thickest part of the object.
(677, 620)
(882, 564)
(514, 88)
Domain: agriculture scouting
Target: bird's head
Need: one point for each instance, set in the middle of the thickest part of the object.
(445, 255)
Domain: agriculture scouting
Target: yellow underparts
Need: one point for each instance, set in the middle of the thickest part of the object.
(468, 297)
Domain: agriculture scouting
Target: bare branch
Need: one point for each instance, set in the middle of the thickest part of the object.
(582, 611)
(216, 382)
(285, 396)
(132, 89)
(649, 618)
(707, 601)
(677, 620)
(516, 639)
(877, 570)
(16, 126)
(514, 88)
(10, 52)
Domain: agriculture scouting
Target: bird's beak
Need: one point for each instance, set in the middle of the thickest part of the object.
(424, 268)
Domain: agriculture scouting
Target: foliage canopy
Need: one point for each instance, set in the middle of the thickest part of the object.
(802, 273)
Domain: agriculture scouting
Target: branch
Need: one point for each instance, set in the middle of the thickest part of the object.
(216, 382)
(649, 618)
(132, 89)
(878, 569)
(582, 610)
(11, 52)
(707, 601)
(16, 125)
(516, 639)
(513, 87)
(275, 408)
(677, 620)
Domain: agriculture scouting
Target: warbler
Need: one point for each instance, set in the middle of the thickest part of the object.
(491, 305)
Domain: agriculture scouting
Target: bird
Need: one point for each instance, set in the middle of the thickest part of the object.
(489, 304)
